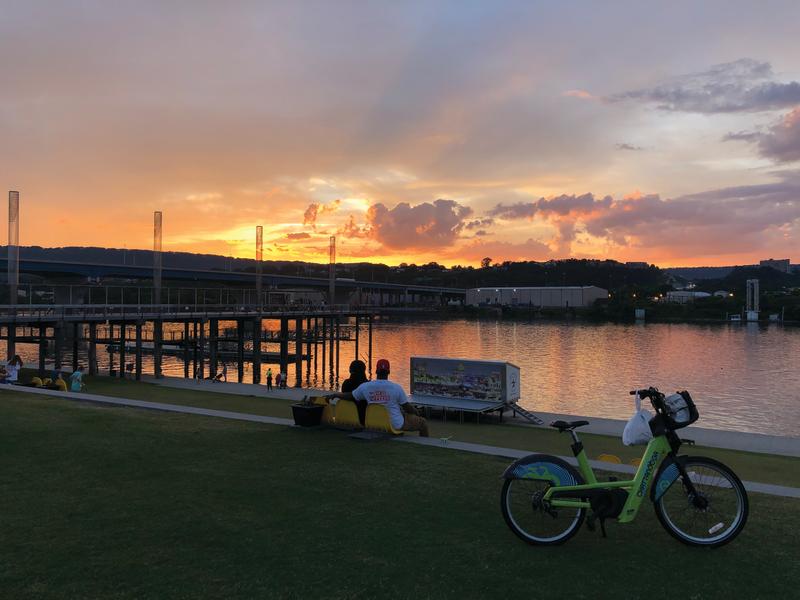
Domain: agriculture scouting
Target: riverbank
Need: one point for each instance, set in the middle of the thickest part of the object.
(761, 467)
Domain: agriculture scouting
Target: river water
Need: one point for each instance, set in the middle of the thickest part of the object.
(743, 377)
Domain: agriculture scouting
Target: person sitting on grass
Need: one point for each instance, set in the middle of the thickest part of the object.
(11, 369)
(402, 414)
(76, 380)
(59, 383)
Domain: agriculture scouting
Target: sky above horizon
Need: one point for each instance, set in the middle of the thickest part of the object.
(412, 131)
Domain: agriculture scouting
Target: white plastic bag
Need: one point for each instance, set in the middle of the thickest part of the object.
(637, 430)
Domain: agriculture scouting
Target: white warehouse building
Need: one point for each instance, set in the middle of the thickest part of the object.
(564, 296)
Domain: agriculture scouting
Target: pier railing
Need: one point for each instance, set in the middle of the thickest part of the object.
(123, 312)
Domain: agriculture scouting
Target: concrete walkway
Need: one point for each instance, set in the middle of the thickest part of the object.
(713, 438)
(764, 488)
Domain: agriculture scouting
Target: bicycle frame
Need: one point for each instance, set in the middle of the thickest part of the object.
(657, 450)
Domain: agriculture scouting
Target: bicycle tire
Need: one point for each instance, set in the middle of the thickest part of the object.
(515, 507)
(721, 514)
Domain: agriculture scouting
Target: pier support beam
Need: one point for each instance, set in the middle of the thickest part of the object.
(257, 351)
(11, 342)
(122, 350)
(284, 344)
(195, 358)
(356, 335)
(92, 367)
(298, 353)
(186, 354)
(240, 350)
(213, 337)
(338, 344)
(324, 346)
(58, 343)
(75, 339)
(201, 366)
(369, 346)
(331, 357)
(111, 349)
(138, 357)
(42, 348)
(158, 337)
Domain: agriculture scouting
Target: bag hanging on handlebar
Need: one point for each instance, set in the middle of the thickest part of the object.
(637, 430)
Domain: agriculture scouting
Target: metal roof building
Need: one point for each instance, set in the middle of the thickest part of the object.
(556, 296)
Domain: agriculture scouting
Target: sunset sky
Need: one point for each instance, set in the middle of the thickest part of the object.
(666, 132)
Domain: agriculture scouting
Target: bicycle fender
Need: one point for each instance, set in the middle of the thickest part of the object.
(542, 467)
(667, 474)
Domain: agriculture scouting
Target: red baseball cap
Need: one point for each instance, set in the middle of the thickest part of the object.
(382, 365)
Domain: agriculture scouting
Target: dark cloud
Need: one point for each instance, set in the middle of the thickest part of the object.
(426, 225)
(730, 219)
(630, 147)
(781, 142)
(298, 236)
(485, 222)
(741, 136)
(518, 210)
(558, 206)
(745, 85)
(351, 229)
(314, 210)
(481, 233)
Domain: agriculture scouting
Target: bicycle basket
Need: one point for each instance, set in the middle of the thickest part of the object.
(679, 410)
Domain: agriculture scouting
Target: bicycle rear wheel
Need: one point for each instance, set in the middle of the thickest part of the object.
(715, 516)
(530, 518)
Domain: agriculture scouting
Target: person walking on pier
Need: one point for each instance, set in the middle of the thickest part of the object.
(391, 395)
(269, 379)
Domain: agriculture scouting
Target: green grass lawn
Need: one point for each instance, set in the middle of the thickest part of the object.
(780, 470)
(122, 503)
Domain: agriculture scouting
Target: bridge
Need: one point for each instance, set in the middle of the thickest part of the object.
(47, 268)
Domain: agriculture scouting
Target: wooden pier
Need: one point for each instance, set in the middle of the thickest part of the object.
(192, 333)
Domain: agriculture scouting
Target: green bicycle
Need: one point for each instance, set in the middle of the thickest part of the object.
(698, 500)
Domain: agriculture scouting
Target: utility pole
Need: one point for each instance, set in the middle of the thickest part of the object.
(259, 258)
(157, 257)
(332, 271)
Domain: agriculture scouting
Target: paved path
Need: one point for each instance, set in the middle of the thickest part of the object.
(764, 488)
(713, 438)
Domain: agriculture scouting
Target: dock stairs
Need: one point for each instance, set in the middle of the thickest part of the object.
(524, 413)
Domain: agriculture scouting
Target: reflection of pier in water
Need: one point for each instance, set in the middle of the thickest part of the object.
(203, 336)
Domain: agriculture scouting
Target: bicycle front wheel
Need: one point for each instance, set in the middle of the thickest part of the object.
(530, 518)
(712, 517)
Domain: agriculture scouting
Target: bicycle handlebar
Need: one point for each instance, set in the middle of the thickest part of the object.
(652, 393)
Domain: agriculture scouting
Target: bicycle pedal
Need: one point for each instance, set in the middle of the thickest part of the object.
(590, 523)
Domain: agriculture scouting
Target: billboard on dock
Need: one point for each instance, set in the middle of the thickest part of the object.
(483, 380)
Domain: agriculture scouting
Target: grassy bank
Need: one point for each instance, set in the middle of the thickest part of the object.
(780, 470)
(108, 502)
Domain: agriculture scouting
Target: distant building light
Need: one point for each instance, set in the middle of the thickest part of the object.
(731, 294)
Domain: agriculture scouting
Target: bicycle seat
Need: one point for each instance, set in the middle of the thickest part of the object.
(563, 426)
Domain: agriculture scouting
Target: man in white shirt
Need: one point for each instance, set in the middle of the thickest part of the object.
(402, 414)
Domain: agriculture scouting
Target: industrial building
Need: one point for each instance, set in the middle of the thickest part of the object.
(563, 296)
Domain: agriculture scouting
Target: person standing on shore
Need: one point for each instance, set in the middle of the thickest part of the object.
(269, 379)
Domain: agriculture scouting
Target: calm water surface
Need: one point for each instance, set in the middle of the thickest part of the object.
(743, 377)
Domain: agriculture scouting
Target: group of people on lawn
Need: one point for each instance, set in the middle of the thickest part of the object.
(9, 374)
(389, 394)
